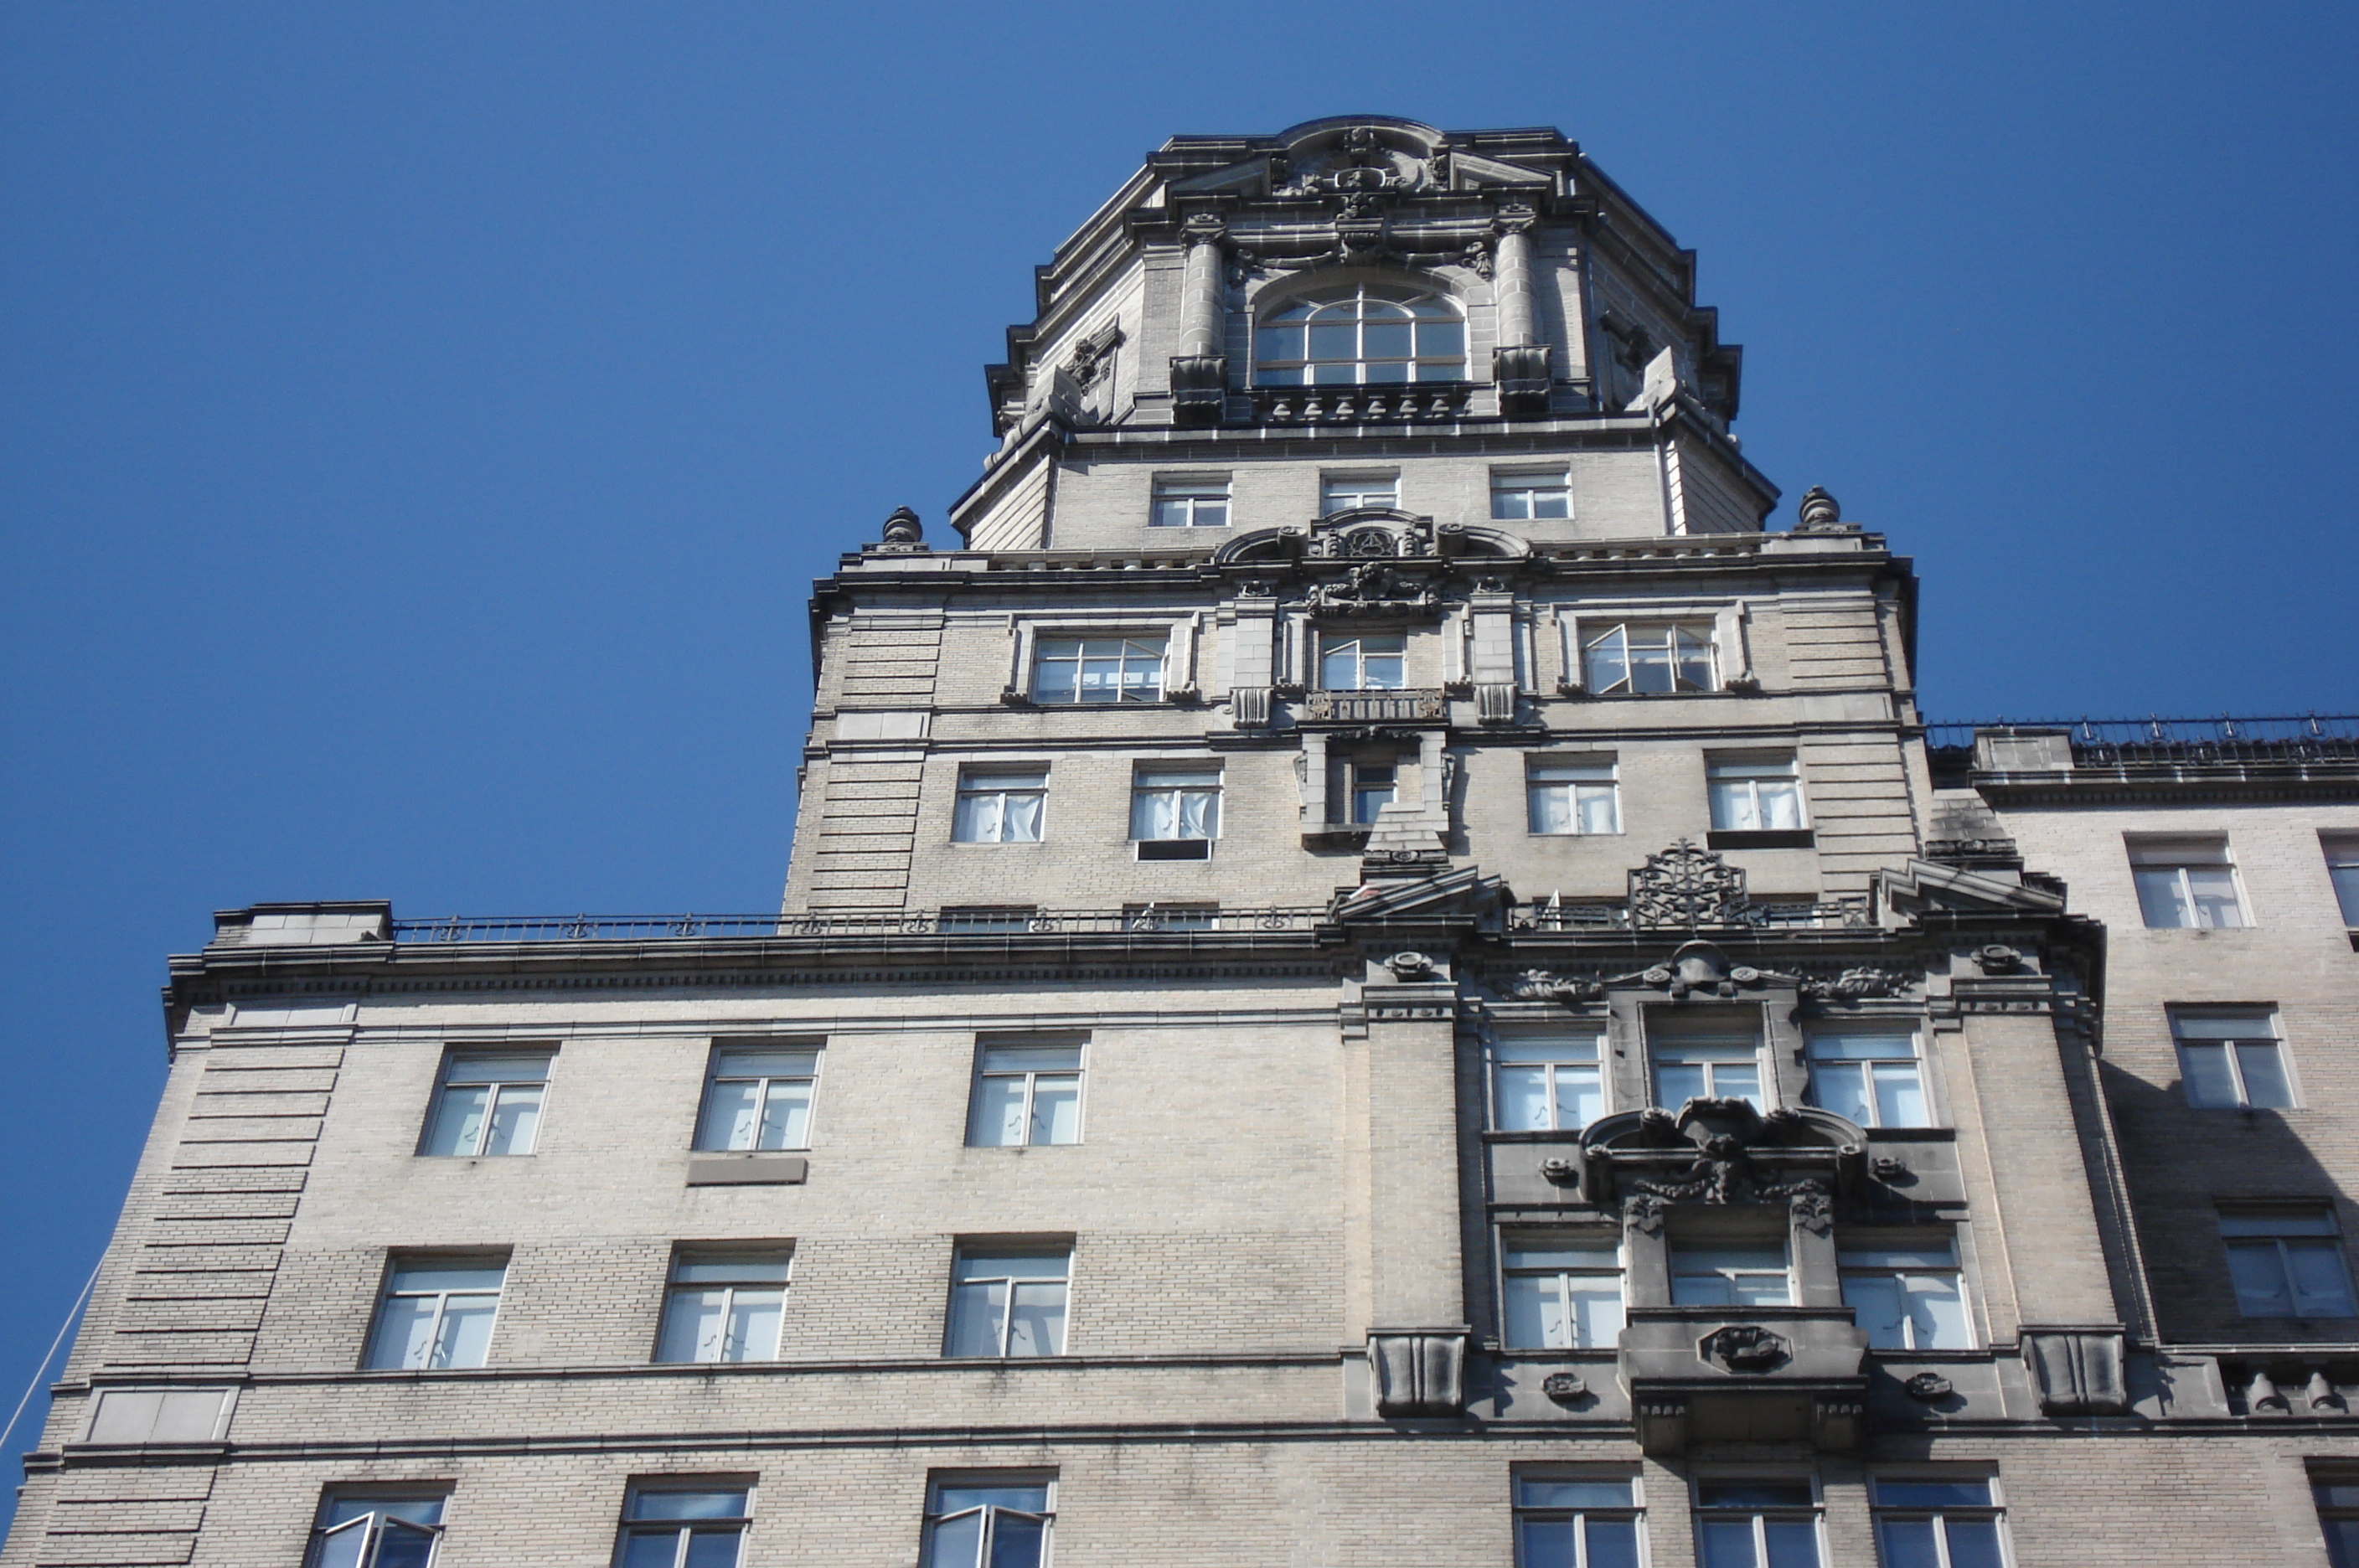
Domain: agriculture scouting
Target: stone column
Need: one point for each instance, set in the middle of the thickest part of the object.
(1200, 372)
(1417, 1329)
(1519, 364)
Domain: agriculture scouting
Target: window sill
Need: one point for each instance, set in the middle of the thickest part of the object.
(1763, 838)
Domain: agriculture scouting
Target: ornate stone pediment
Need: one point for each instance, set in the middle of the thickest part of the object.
(1720, 1151)
(1447, 894)
(1372, 533)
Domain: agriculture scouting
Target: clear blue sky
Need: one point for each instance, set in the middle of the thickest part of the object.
(423, 420)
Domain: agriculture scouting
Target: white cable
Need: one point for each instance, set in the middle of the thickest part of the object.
(51, 1354)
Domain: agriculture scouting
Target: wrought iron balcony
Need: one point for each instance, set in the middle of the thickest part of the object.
(951, 922)
(2166, 743)
(1388, 403)
(1553, 915)
(1408, 706)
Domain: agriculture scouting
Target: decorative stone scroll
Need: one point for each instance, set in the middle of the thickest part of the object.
(1720, 1151)
(2077, 1370)
(1418, 1372)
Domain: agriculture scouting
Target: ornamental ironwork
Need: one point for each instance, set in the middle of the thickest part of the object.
(1688, 887)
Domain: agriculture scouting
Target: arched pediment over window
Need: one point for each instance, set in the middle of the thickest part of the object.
(1372, 533)
(1359, 334)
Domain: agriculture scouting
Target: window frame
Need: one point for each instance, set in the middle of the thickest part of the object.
(683, 1529)
(2231, 1049)
(1532, 484)
(1170, 785)
(1356, 640)
(1048, 639)
(2339, 850)
(1190, 492)
(1301, 369)
(1575, 792)
(1871, 1029)
(1357, 793)
(985, 1044)
(717, 1254)
(1597, 634)
(1578, 626)
(999, 1249)
(1675, 1247)
(371, 1523)
(970, 787)
(442, 1109)
(1993, 1512)
(1506, 1039)
(1719, 768)
(2177, 855)
(815, 1048)
(2327, 1239)
(1666, 1035)
(1761, 1515)
(1512, 1238)
(1850, 1245)
(1354, 490)
(986, 1542)
(388, 1291)
(1578, 1516)
(2334, 1493)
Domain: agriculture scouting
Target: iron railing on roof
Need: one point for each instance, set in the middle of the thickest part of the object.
(2155, 742)
(1553, 915)
(1007, 920)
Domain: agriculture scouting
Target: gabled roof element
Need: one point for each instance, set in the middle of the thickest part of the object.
(1924, 887)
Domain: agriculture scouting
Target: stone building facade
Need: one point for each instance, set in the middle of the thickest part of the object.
(1371, 972)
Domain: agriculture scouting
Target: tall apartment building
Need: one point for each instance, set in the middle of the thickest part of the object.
(1372, 973)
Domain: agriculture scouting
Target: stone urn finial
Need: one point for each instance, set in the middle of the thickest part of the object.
(904, 531)
(1818, 512)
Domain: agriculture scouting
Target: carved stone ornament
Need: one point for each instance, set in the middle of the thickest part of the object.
(1998, 959)
(1887, 1167)
(1409, 966)
(1559, 1172)
(1819, 513)
(1359, 163)
(1928, 1387)
(1373, 588)
(1418, 1372)
(2077, 1371)
(1720, 1151)
(1094, 355)
(1564, 1388)
(1686, 886)
(1701, 967)
(903, 532)
(1747, 1347)
(1851, 985)
(1541, 986)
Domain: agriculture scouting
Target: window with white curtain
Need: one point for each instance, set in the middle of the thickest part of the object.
(1175, 810)
(1754, 794)
(1000, 805)
(1573, 795)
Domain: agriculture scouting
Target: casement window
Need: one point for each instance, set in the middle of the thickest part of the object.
(1708, 1058)
(2341, 852)
(1573, 795)
(990, 1522)
(1548, 1083)
(1125, 669)
(1000, 805)
(2185, 884)
(1174, 811)
(1351, 491)
(435, 1312)
(1362, 661)
(2232, 1057)
(1194, 501)
(1518, 497)
(683, 1525)
(1572, 1522)
(1369, 334)
(1730, 1276)
(2338, 1519)
(1560, 1291)
(1026, 1095)
(1374, 786)
(1932, 1524)
(2287, 1262)
(724, 1304)
(1870, 1075)
(1754, 794)
(1170, 917)
(1756, 1524)
(1648, 657)
(489, 1105)
(988, 920)
(758, 1097)
(1008, 1300)
(1906, 1294)
(376, 1529)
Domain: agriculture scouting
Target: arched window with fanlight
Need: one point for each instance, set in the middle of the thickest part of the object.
(1368, 333)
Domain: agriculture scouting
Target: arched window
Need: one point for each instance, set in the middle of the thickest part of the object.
(1368, 333)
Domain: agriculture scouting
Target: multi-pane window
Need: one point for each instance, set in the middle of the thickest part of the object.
(1369, 334)
(2232, 1057)
(759, 1098)
(724, 1304)
(2343, 870)
(2287, 1263)
(1374, 786)
(683, 1527)
(2186, 883)
(489, 1105)
(1756, 1524)
(1098, 669)
(1008, 1300)
(1574, 796)
(989, 1521)
(1647, 656)
(1026, 1095)
(1350, 493)
(1547, 1082)
(1000, 805)
(382, 1531)
(1516, 498)
(1561, 1291)
(1193, 503)
(1907, 1295)
(1937, 1524)
(1754, 794)
(1871, 1076)
(1730, 1276)
(1571, 1523)
(1718, 1065)
(435, 1312)
(1362, 661)
(2338, 1516)
(1174, 811)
